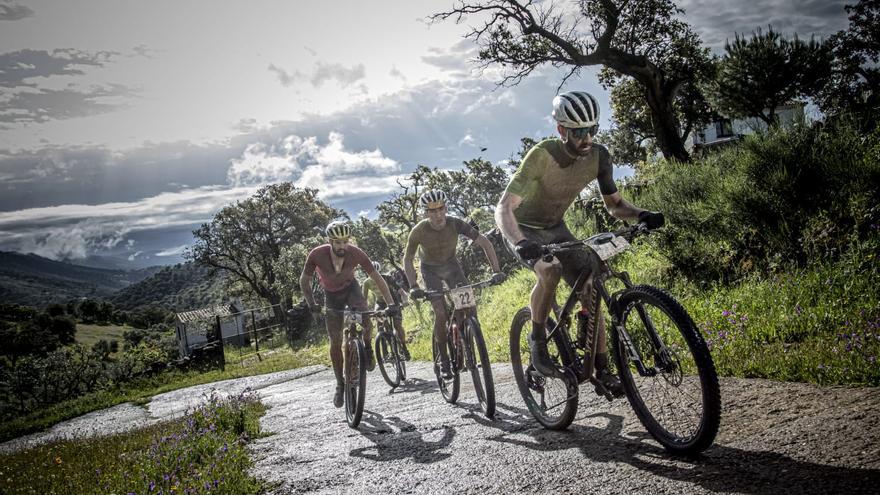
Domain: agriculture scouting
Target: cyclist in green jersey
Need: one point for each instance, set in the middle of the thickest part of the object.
(530, 214)
(371, 293)
(436, 239)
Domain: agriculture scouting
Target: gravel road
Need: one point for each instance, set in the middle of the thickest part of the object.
(774, 438)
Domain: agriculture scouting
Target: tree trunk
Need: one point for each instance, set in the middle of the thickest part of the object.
(666, 125)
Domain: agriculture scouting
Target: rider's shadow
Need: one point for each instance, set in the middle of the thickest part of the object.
(720, 469)
(423, 387)
(396, 439)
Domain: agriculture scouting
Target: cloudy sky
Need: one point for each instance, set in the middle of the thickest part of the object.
(125, 124)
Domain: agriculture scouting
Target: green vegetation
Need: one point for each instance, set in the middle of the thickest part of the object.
(140, 390)
(205, 451)
(772, 246)
(89, 335)
(181, 287)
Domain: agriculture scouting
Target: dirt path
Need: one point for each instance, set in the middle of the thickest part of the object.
(774, 438)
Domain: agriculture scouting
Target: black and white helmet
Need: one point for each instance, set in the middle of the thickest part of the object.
(338, 229)
(433, 199)
(576, 109)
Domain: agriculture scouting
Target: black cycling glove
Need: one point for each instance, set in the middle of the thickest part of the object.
(652, 219)
(393, 310)
(528, 249)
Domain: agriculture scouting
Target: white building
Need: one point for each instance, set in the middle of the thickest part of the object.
(726, 130)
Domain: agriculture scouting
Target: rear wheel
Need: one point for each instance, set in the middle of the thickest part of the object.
(552, 401)
(477, 358)
(675, 394)
(448, 387)
(355, 380)
(401, 362)
(387, 358)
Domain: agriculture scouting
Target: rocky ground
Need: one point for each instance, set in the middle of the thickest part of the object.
(774, 438)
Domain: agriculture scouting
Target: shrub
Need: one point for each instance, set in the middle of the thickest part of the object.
(797, 195)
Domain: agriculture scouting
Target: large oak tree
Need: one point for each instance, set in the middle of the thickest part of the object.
(640, 39)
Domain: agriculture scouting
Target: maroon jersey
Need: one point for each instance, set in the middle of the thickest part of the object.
(319, 259)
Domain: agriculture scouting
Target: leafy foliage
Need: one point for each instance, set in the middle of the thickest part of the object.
(789, 196)
(643, 39)
(181, 287)
(756, 76)
(247, 239)
(854, 85)
(205, 451)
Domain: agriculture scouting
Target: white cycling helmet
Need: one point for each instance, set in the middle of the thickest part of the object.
(432, 199)
(576, 109)
(338, 229)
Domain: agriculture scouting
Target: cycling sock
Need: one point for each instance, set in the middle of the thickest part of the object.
(538, 332)
(601, 361)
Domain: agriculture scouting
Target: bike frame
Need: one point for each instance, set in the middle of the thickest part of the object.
(582, 368)
(457, 316)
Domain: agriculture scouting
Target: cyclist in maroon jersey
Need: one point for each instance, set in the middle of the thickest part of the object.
(335, 263)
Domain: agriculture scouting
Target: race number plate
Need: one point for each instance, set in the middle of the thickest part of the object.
(463, 298)
(611, 248)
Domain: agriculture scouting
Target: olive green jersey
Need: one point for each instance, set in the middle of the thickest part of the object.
(436, 247)
(549, 180)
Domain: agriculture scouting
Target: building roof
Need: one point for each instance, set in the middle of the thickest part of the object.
(222, 311)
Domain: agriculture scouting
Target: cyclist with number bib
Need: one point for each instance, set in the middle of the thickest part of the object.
(436, 239)
(531, 210)
(335, 263)
(399, 296)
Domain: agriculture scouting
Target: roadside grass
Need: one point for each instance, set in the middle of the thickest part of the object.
(141, 390)
(202, 452)
(89, 335)
(819, 324)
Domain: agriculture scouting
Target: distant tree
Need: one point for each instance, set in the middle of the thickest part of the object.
(103, 348)
(380, 242)
(105, 312)
(56, 309)
(758, 75)
(854, 85)
(643, 39)
(88, 310)
(401, 210)
(246, 239)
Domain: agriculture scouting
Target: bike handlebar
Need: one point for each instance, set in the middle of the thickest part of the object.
(629, 233)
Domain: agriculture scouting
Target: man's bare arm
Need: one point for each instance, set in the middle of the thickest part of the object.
(489, 249)
(620, 208)
(505, 218)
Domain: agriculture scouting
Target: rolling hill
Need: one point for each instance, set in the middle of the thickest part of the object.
(36, 281)
(179, 287)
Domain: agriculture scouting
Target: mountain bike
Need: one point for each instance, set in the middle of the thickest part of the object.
(389, 358)
(354, 368)
(664, 364)
(465, 346)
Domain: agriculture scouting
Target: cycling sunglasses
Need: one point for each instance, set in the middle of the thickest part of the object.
(581, 132)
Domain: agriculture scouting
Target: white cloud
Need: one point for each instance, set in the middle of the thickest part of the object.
(75, 231)
(172, 251)
(330, 167)
(132, 256)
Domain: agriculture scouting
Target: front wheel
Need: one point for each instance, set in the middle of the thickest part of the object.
(388, 359)
(355, 380)
(477, 358)
(449, 388)
(552, 401)
(666, 369)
